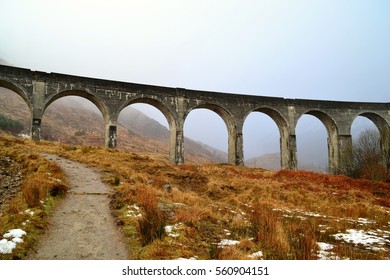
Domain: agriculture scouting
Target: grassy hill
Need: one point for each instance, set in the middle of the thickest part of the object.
(217, 211)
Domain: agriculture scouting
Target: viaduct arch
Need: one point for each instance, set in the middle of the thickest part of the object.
(40, 89)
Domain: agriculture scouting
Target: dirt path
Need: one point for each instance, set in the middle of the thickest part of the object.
(82, 226)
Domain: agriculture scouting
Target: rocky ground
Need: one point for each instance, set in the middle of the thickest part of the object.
(10, 180)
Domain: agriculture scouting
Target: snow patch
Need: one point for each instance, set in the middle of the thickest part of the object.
(14, 233)
(6, 246)
(258, 254)
(28, 211)
(324, 254)
(134, 211)
(227, 242)
(194, 258)
(361, 237)
(173, 231)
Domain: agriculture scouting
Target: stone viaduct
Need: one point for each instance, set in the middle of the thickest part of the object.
(39, 90)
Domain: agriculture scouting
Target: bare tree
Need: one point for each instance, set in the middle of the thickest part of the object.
(368, 161)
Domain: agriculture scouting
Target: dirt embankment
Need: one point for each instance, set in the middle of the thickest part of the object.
(10, 180)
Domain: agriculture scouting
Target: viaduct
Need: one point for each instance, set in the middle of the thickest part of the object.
(40, 89)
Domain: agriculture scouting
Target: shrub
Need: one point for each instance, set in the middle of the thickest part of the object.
(34, 190)
(152, 224)
(10, 125)
(302, 241)
(268, 231)
(367, 157)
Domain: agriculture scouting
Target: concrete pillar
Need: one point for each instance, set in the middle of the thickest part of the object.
(110, 141)
(239, 158)
(284, 151)
(289, 152)
(176, 128)
(38, 103)
(333, 154)
(36, 130)
(235, 146)
(385, 147)
(177, 146)
(345, 153)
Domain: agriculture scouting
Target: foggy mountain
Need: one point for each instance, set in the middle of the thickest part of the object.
(3, 62)
(271, 161)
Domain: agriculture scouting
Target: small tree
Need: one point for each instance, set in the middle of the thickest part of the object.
(10, 125)
(368, 159)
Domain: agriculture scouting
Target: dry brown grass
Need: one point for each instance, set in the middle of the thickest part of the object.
(43, 181)
(284, 214)
(151, 225)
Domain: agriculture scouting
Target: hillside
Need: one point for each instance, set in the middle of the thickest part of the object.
(211, 211)
(80, 123)
(271, 161)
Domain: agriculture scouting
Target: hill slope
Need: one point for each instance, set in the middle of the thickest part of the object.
(215, 211)
(271, 161)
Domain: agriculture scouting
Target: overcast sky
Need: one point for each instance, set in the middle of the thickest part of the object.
(325, 49)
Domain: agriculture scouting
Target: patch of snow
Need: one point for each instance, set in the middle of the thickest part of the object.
(325, 246)
(311, 214)
(6, 246)
(365, 221)
(227, 242)
(258, 254)
(194, 258)
(28, 211)
(168, 229)
(172, 231)
(14, 233)
(134, 211)
(362, 237)
(17, 240)
(24, 136)
(323, 253)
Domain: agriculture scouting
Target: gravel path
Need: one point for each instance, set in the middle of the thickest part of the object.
(82, 226)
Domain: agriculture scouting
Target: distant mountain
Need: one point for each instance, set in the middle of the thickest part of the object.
(3, 62)
(267, 161)
(272, 162)
(80, 123)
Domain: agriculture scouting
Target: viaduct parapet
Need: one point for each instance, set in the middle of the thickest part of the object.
(40, 89)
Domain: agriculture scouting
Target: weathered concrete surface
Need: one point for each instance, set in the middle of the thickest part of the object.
(40, 89)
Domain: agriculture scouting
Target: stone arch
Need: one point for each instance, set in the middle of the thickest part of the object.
(333, 133)
(172, 123)
(384, 130)
(155, 103)
(377, 119)
(22, 100)
(81, 93)
(283, 128)
(109, 122)
(18, 90)
(234, 137)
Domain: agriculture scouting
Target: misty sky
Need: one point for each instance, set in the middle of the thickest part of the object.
(325, 49)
